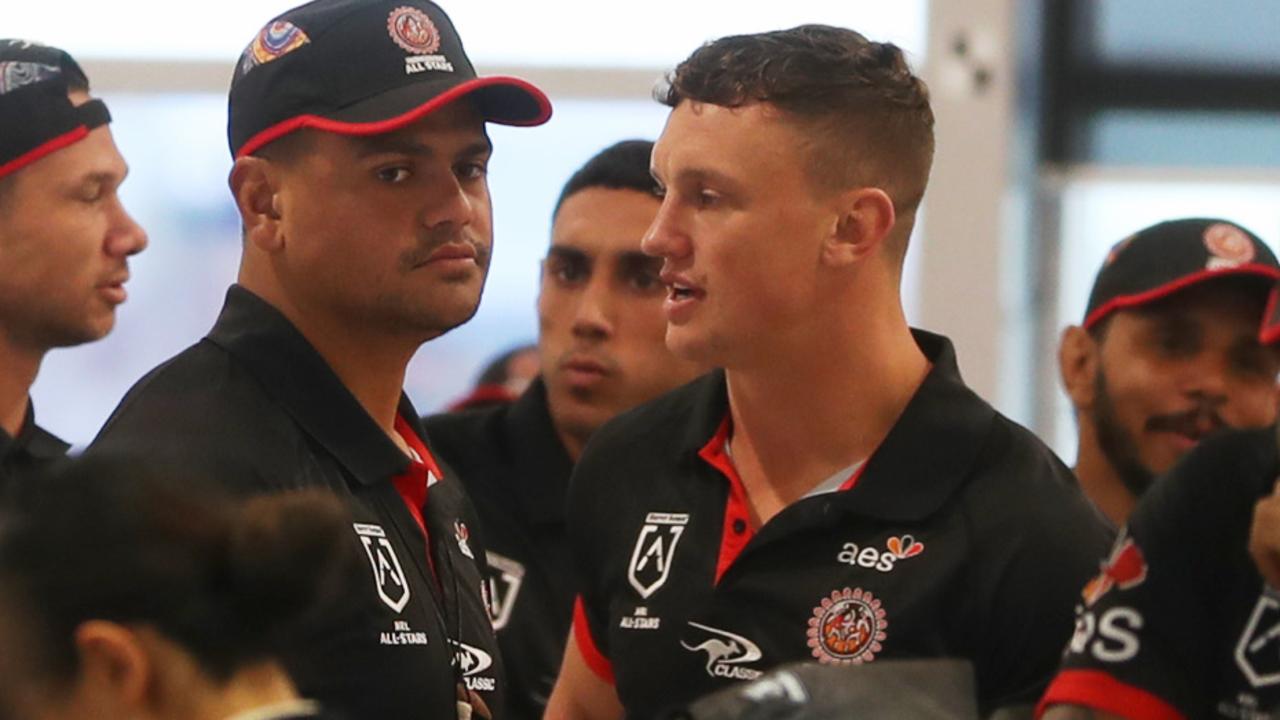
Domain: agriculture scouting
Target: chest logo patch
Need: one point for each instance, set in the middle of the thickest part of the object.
(462, 535)
(504, 580)
(472, 661)
(847, 628)
(388, 575)
(1258, 652)
(655, 548)
(726, 652)
(897, 550)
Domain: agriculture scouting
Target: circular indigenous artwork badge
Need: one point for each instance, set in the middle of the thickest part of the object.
(847, 628)
(412, 30)
(1228, 242)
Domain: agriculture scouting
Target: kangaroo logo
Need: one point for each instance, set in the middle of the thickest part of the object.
(655, 548)
(725, 653)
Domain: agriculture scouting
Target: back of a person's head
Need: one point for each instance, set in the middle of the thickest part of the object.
(621, 166)
(867, 114)
(230, 581)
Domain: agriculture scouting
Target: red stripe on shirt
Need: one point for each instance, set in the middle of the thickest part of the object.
(1098, 690)
(595, 659)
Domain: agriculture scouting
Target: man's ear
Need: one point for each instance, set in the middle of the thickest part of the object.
(113, 662)
(1079, 357)
(255, 186)
(865, 218)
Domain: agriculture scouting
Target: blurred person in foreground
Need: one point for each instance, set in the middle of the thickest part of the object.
(601, 348)
(131, 593)
(1168, 353)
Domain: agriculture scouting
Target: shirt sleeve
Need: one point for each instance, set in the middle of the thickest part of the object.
(1144, 629)
(589, 538)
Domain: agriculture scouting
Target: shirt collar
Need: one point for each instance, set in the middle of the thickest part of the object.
(925, 457)
(291, 370)
(32, 440)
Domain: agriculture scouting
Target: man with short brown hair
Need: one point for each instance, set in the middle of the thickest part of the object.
(836, 494)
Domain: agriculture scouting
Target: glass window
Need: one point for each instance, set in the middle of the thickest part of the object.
(1193, 139)
(567, 33)
(1222, 35)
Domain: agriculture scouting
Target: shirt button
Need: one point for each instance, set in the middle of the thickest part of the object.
(739, 526)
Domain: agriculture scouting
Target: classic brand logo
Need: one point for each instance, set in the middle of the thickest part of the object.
(654, 550)
(504, 580)
(472, 661)
(388, 575)
(726, 652)
(847, 628)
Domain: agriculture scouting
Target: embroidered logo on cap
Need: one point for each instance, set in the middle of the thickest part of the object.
(412, 30)
(17, 74)
(1228, 245)
(272, 43)
(847, 628)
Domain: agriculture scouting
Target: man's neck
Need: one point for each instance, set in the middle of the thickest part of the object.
(20, 365)
(370, 365)
(810, 414)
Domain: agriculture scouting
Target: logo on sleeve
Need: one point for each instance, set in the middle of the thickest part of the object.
(655, 548)
(504, 580)
(847, 628)
(388, 575)
(726, 652)
(1125, 568)
(1258, 652)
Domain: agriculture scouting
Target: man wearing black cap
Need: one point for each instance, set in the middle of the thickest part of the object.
(360, 151)
(64, 236)
(1168, 352)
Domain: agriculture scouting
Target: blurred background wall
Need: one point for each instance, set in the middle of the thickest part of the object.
(1063, 125)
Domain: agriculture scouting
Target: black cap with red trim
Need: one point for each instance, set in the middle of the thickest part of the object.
(1159, 260)
(36, 115)
(362, 67)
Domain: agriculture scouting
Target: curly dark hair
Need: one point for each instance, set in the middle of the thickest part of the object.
(868, 115)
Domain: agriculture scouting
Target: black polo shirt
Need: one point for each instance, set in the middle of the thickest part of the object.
(961, 536)
(34, 448)
(516, 472)
(253, 405)
(1179, 623)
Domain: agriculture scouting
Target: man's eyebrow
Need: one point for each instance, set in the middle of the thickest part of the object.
(564, 252)
(632, 260)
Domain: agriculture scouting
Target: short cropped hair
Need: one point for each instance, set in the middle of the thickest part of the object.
(868, 115)
(621, 166)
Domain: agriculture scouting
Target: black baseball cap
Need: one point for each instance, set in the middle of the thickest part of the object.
(36, 116)
(1160, 260)
(362, 67)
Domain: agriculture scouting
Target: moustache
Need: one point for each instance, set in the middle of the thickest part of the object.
(428, 245)
(1194, 423)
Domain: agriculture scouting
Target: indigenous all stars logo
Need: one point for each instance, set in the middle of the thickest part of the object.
(272, 43)
(412, 30)
(1124, 568)
(847, 628)
(388, 575)
(1228, 245)
(655, 548)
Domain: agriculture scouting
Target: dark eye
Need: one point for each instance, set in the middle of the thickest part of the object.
(708, 198)
(473, 170)
(1255, 361)
(567, 272)
(645, 281)
(394, 175)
